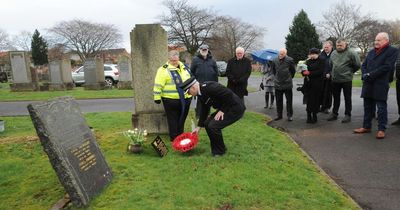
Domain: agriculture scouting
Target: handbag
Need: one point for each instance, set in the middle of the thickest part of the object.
(261, 86)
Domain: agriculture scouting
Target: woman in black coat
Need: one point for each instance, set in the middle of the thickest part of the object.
(313, 83)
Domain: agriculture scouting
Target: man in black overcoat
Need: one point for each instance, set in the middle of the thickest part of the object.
(238, 71)
(229, 109)
(377, 69)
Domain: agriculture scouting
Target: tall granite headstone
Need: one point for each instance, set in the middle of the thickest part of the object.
(60, 75)
(24, 79)
(149, 51)
(94, 74)
(71, 147)
(125, 73)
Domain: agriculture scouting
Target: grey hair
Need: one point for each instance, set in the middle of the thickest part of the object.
(329, 42)
(239, 49)
(341, 40)
(384, 35)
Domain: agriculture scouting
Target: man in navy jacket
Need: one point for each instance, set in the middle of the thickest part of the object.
(376, 70)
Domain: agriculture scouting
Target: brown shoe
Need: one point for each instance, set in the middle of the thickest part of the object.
(362, 130)
(380, 135)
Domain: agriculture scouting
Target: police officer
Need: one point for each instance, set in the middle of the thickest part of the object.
(229, 109)
(166, 89)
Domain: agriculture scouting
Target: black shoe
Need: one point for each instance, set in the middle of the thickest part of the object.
(346, 119)
(290, 119)
(265, 107)
(314, 118)
(217, 155)
(397, 122)
(278, 118)
(332, 117)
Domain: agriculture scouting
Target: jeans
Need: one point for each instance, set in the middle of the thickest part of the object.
(369, 111)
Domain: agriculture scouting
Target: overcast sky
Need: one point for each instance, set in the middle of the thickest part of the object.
(275, 15)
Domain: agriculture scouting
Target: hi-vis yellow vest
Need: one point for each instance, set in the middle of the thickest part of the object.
(164, 86)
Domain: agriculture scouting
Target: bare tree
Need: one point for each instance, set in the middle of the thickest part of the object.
(230, 33)
(86, 38)
(341, 21)
(187, 24)
(366, 32)
(22, 41)
(394, 32)
(5, 43)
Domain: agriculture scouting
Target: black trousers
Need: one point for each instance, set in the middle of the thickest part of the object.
(398, 94)
(214, 128)
(173, 109)
(326, 99)
(336, 90)
(289, 101)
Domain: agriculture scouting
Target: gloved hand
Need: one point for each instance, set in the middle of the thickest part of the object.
(157, 101)
(305, 73)
(366, 77)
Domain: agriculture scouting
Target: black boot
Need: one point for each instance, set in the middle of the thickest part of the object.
(309, 119)
(266, 100)
(314, 117)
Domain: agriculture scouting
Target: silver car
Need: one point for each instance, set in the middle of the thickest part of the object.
(111, 74)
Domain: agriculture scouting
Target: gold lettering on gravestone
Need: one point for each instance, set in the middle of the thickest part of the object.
(86, 158)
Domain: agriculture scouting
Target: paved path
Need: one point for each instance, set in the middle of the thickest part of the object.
(366, 168)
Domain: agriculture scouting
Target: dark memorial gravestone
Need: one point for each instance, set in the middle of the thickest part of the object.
(159, 146)
(72, 148)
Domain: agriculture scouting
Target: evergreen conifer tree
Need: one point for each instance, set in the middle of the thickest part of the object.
(302, 36)
(39, 49)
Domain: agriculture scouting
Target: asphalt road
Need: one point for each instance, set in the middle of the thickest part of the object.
(366, 168)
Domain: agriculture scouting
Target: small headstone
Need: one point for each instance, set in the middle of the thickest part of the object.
(125, 76)
(72, 148)
(159, 146)
(60, 75)
(94, 74)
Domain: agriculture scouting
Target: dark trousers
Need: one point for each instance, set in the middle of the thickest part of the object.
(336, 90)
(201, 108)
(289, 101)
(398, 94)
(173, 109)
(214, 128)
(326, 99)
(369, 113)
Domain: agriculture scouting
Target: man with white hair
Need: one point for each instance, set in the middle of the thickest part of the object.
(377, 69)
(284, 70)
(238, 72)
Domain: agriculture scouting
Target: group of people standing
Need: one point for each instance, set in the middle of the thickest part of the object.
(326, 75)
(329, 73)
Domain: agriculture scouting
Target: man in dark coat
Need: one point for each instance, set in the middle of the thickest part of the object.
(284, 70)
(376, 70)
(204, 68)
(397, 122)
(326, 99)
(229, 109)
(238, 72)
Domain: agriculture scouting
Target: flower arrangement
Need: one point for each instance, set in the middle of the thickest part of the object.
(136, 136)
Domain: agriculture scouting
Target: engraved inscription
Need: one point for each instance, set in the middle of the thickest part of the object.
(86, 158)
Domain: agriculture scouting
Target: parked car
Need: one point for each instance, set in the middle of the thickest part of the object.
(221, 65)
(111, 74)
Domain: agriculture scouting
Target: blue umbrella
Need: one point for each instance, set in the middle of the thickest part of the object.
(262, 56)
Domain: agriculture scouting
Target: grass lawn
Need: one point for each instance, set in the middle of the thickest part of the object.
(77, 93)
(262, 169)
